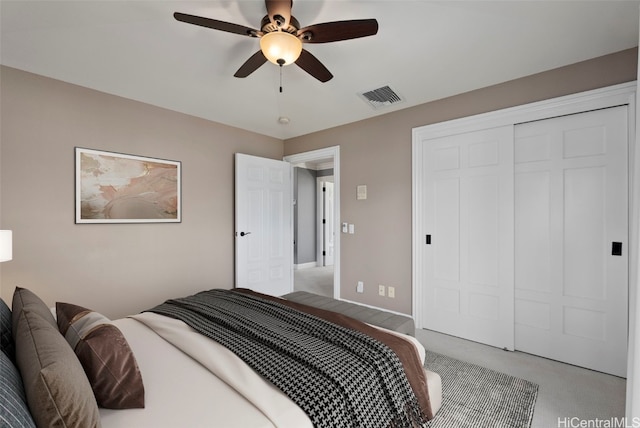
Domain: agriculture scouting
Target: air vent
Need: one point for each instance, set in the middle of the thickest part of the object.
(381, 97)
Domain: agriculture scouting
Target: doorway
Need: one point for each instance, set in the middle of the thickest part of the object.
(316, 242)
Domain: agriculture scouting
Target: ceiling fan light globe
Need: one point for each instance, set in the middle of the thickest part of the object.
(279, 46)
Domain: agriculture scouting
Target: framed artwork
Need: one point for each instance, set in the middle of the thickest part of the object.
(120, 188)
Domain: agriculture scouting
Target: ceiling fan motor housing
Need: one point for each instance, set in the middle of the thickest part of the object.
(267, 26)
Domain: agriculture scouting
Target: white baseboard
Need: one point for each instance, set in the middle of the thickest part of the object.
(305, 265)
(376, 307)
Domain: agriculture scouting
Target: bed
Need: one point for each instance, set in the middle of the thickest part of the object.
(165, 373)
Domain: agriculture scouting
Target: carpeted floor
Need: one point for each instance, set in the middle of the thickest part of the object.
(476, 397)
(318, 280)
(566, 393)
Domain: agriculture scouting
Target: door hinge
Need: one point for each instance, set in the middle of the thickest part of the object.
(428, 240)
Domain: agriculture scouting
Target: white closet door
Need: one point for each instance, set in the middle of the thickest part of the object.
(571, 190)
(468, 261)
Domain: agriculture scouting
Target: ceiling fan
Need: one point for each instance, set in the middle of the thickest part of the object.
(281, 37)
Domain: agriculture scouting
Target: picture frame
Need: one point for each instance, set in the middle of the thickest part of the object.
(122, 188)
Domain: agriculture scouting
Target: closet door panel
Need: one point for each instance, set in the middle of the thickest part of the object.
(571, 205)
(468, 206)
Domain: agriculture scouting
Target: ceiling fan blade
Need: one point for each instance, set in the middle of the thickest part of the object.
(338, 30)
(313, 66)
(215, 24)
(279, 12)
(251, 65)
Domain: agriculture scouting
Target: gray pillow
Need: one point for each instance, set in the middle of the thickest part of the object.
(14, 412)
(57, 389)
(6, 334)
(26, 299)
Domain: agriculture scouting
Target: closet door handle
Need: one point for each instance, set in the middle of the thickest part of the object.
(244, 233)
(616, 248)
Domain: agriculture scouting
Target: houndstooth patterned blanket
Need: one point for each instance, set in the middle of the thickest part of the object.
(338, 376)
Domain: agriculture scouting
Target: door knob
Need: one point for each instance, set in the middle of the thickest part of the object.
(244, 233)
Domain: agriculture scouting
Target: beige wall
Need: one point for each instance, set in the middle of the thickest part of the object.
(121, 269)
(377, 152)
(117, 269)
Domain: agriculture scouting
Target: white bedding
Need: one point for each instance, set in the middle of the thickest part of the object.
(192, 381)
(179, 391)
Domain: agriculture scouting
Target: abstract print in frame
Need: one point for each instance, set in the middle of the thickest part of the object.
(120, 188)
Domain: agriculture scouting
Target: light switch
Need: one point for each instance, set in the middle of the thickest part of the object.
(345, 228)
(352, 229)
(361, 192)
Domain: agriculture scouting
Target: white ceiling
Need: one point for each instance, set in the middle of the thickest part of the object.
(424, 50)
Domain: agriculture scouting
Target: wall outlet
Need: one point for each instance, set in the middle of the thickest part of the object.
(360, 287)
(381, 290)
(391, 292)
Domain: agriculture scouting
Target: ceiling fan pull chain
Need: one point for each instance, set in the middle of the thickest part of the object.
(281, 63)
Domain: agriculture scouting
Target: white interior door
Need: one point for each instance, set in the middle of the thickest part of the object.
(325, 226)
(571, 207)
(328, 224)
(264, 233)
(468, 222)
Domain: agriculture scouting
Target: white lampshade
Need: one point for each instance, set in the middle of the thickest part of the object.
(6, 245)
(279, 45)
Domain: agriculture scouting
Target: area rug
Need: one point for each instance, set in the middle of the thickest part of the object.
(476, 397)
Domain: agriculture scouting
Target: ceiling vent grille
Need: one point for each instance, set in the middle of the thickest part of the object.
(381, 97)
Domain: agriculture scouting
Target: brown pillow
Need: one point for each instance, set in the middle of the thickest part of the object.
(105, 355)
(58, 392)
